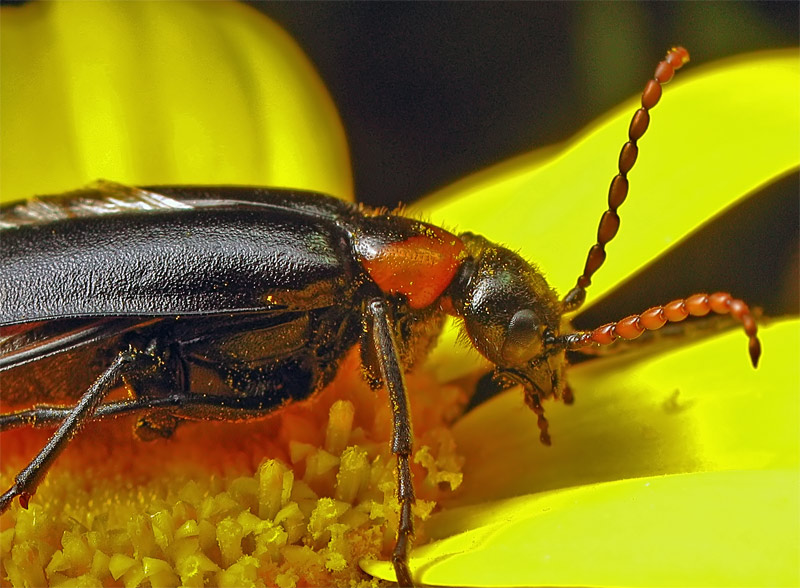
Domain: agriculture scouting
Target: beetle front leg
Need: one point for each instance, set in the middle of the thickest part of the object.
(29, 478)
(392, 374)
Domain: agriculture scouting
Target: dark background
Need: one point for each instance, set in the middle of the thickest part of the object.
(430, 92)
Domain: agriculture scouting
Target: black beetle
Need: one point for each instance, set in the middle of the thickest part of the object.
(228, 302)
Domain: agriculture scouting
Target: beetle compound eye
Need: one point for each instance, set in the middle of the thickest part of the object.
(524, 338)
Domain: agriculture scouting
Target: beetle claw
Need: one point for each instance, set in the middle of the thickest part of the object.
(24, 499)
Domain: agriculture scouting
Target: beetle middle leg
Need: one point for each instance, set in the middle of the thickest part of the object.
(45, 415)
(178, 404)
(25, 483)
(401, 444)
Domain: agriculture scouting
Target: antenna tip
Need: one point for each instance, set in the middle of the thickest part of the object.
(678, 56)
(755, 351)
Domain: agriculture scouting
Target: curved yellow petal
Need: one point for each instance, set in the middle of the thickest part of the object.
(687, 410)
(733, 528)
(725, 436)
(175, 92)
(719, 132)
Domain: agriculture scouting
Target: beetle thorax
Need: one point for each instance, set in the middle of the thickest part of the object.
(408, 257)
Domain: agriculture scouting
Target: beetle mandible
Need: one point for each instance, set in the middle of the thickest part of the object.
(163, 283)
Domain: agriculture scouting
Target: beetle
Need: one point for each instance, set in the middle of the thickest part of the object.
(223, 303)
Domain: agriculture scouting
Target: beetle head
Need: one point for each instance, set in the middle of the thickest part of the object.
(511, 315)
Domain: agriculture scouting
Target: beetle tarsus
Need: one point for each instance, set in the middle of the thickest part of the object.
(405, 530)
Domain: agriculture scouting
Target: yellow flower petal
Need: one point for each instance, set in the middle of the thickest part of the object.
(700, 407)
(734, 528)
(719, 132)
(725, 436)
(174, 92)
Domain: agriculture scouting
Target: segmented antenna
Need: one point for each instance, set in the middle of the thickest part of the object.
(618, 191)
(654, 318)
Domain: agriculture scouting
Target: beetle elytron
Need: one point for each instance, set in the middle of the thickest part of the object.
(226, 303)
